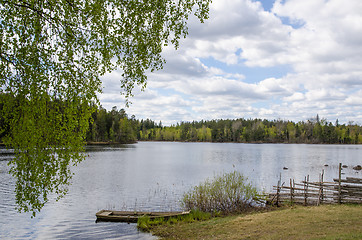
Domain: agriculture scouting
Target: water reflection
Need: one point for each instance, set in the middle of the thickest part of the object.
(6, 154)
(153, 176)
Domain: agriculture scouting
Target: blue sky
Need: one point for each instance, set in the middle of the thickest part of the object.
(287, 59)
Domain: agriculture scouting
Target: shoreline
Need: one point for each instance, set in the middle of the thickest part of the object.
(134, 142)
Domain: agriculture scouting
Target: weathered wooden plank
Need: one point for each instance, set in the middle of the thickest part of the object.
(104, 213)
(129, 216)
(285, 188)
(351, 190)
(318, 186)
(349, 187)
(352, 194)
(319, 183)
(347, 181)
(349, 200)
(354, 179)
(296, 190)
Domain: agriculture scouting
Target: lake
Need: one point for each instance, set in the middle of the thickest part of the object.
(154, 176)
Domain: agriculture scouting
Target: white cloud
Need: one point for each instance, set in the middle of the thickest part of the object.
(354, 99)
(213, 73)
(235, 25)
(324, 95)
(219, 86)
(298, 96)
(272, 86)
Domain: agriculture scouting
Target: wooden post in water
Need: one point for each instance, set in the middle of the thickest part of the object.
(278, 188)
(322, 179)
(320, 195)
(339, 183)
(306, 190)
(291, 191)
(305, 198)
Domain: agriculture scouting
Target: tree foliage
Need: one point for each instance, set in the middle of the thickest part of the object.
(52, 55)
(106, 127)
(112, 127)
(254, 131)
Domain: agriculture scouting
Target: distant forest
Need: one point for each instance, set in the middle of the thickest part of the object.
(116, 126)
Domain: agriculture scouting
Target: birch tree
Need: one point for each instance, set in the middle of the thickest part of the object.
(52, 55)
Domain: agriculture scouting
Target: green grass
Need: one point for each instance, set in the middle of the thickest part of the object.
(146, 224)
(297, 222)
(348, 236)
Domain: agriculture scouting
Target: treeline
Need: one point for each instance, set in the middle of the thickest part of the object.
(112, 127)
(256, 131)
(116, 126)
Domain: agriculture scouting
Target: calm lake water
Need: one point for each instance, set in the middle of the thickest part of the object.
(154, 176)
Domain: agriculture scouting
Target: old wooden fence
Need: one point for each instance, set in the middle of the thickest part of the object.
(348, 190)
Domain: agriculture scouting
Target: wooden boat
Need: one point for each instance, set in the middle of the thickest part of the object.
(132, 217)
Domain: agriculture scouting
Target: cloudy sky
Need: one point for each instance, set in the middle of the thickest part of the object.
(269, 59)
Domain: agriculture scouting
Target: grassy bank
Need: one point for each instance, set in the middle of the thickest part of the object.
(323, 222)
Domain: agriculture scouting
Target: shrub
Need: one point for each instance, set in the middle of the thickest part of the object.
(226, 193)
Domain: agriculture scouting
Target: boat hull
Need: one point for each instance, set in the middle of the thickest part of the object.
(132, 217)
